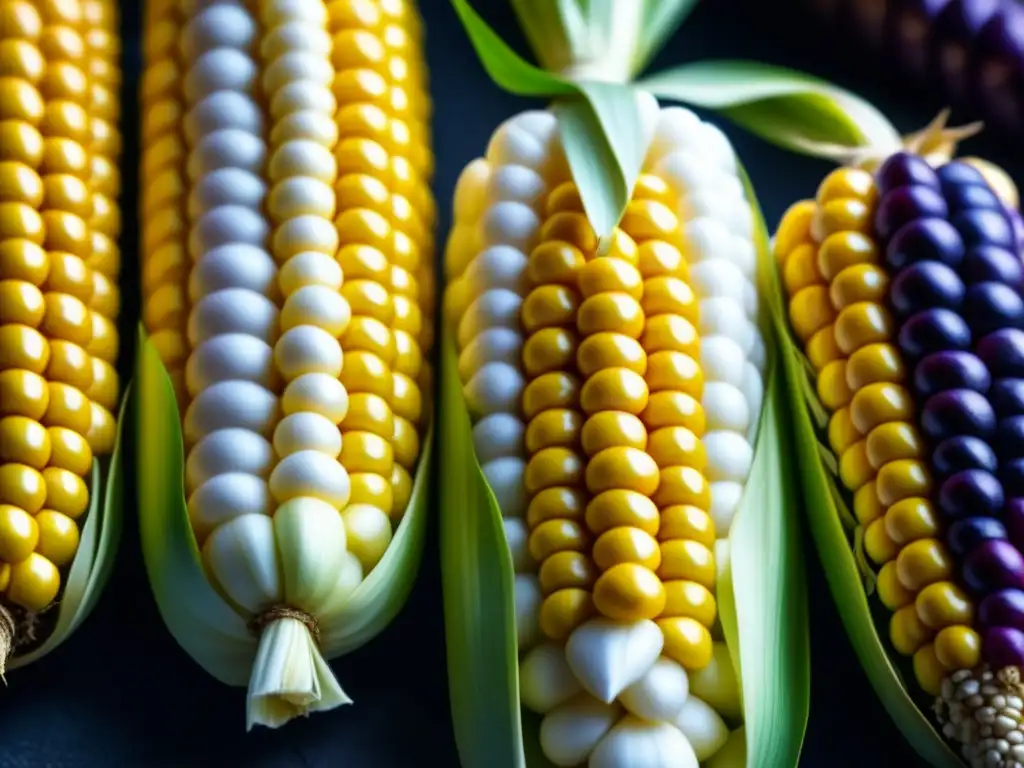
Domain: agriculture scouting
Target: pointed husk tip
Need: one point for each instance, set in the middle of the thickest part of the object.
(290, 677)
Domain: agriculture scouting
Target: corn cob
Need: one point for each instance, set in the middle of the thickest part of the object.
(905, 289)
(286, 238)
(970, 52)
(614, 390)
(58, 293)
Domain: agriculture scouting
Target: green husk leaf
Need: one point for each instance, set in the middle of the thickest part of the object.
(782, 106)
(842, 570)
(598, 117)
(505, 67)
(476, 582)
(660, 21)
(97, 549)
(769, 633)
(603, 141)
(201, 621)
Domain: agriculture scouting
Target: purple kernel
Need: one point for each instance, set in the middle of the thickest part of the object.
(964, 535)
(903, 170)
(1011, 475)
(956, 175)
(1007, 397)
(969, 493)
(1009, 438)
(934, 330)
(984, 227)
(957, 412)
(971, 197)
(929, 239)
(1013, 519)
(903, 205)
(1002, 352)
(950, 370)
(993, 564)
(955, 454)
(989, 263)
(926, 284)
(1003, 647)
(1003, 608)
(990, 307)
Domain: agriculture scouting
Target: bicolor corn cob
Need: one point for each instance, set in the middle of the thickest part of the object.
(286, 260)
(614, 391)
(971, 52)
(58, 271)
(905, 289)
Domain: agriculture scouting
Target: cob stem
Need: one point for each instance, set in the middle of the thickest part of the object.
(7, 629)
(289, 677)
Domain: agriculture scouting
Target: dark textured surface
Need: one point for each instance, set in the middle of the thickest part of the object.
(121, 693)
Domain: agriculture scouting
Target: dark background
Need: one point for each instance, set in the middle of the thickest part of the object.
(121, 693)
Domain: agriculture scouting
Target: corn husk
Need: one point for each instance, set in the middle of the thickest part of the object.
(760, 592)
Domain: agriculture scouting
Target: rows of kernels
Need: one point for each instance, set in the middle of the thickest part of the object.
(924, 293)
(712, 285)
(370, 250)
(164, 184)
(45, 416)
(498, 203)
(232, 324)
(377, 83)
(104, 51)
(552, 402)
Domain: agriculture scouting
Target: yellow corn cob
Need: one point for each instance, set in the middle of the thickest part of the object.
(612, 432)
(287, 231)
(58, 342)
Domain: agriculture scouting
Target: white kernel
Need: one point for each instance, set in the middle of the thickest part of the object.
(517, 537)
(318, 392)
(306, 124)
(753, 390)
(219, 69)
(500, 266)
(302, 157)
(515, 183)
(545, 679)
(227, 148)
(227, 224)
(231, 356)
(297, 65)
(228, 450)
(300, 195)
(758, 354)
(722, 359)
(232, 310)
(215, 26)
(300, 96)
(498, 435)
(509, 223)
(309, 268)
(494, 388)
(718, 147)
(273, 12)
(724, 316)
(225, 497)
(726, 496)
(226, 186)
(295, 35)
(470, 195)
(498, 308)
(307, 431)
(317, 305)
(306, 349)
(729, 454)
(223, 110)
(528, 597)
(304, 233)
(311, 473)
(229, 405)
(687, 171)
(717, 278)
(744, 255)
(707, 238)
(524, 139)
(677, 127)
(233, 266)
(725, 407)
(505, 478)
